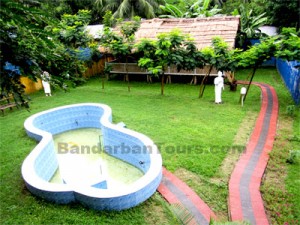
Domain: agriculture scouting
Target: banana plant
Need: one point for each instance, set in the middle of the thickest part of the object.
(199, 9)
(173, 11)
(250, 23)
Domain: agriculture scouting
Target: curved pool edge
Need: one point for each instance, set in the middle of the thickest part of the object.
(85, 115)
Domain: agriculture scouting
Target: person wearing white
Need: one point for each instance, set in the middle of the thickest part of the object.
(45, 81)
(219, 86)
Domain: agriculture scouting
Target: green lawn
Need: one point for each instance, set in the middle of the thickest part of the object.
(194, 136)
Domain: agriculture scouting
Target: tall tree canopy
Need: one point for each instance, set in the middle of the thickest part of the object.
(281, 13)
(130, 8)
(29, 47)
(199, 8)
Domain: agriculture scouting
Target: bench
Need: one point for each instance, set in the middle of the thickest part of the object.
(7, 102)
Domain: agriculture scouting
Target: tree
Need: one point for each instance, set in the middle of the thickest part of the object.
(255, 56)
(221, 58)
(29, 47)
(287, 44)
(283, 13)
(130, 8)
(200, 8)
(58, 8)
(180, 4)
(275, 10)
(250, 25)
(169, 49)
(172, 10)
(120, 45)
(72, 29)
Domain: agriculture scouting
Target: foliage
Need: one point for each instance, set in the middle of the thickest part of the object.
(27, 43)
(71, 29)
(56, 8)
(108, 19)
(257, 54)
(223, 59)
(287, 44)
(275, 10)
(72, 32)
(192, 58)
(283, 13)
(172, 10)
(250, 23)
(130, 8)
(170, 49)
(128, 28)
(294, 157)
(220, 57)
(180, 4)
(253, 16)
(200, 8)
(258, 6)
(146, 47)
(120, 45)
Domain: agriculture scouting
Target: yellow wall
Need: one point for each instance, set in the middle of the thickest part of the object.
(31, 86)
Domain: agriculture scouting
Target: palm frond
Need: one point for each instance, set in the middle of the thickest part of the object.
(149, 10)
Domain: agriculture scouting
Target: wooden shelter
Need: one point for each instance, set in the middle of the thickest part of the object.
(201, 29)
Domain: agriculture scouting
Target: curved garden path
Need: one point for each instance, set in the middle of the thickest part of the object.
(176, 191)
(245, 201)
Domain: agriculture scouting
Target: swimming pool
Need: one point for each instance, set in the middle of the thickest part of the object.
(132, 147)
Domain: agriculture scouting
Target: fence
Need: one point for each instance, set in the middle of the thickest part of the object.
(291, 77)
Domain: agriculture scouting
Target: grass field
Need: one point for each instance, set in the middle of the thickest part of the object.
(199, 142)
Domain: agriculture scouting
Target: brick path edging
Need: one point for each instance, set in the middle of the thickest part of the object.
(244, 200)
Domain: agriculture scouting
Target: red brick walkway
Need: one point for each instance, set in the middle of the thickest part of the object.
(176, 191)
(245, 202)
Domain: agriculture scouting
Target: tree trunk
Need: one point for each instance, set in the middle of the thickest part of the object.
(203, 82)
(194, 80)
(128, 84)
(253, 72)
(168, 81)
(103, 77)
(149, 79)
(162, 84)
(127, 75)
